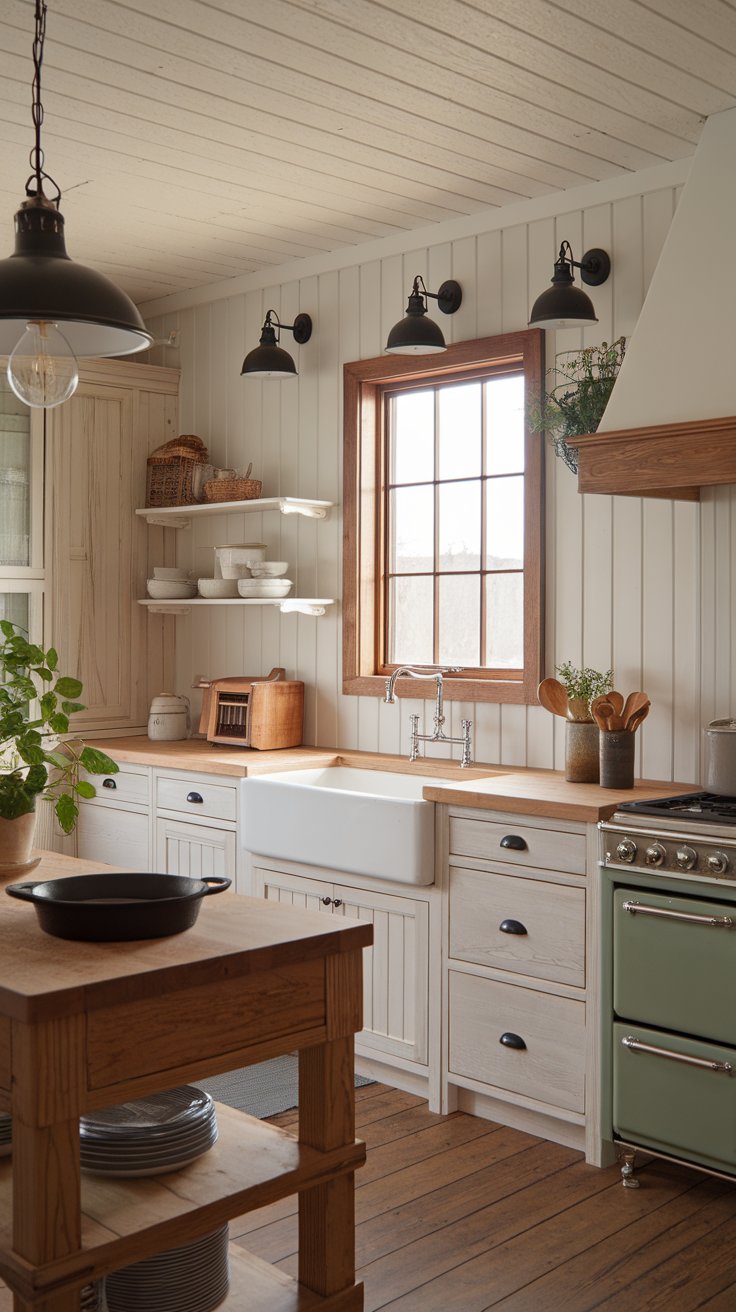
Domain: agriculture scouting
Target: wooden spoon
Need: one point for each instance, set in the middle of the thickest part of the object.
(604, 697)
(602, 712)
(553, 697)
(617, 701)
(634, 701)
(635, 720)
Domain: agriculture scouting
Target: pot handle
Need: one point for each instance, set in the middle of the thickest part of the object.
(23, 891)
(218, 884)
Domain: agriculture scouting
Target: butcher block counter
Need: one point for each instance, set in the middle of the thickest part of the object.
(84, 1025)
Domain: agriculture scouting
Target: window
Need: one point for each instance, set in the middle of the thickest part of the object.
(21, 514)
(444, 519)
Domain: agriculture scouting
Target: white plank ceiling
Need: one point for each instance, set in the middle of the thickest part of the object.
(195, 140)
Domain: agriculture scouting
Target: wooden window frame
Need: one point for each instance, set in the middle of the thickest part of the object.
(365, 382)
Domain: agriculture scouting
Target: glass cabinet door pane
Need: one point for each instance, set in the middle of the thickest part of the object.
(15, 606)
(15, 479)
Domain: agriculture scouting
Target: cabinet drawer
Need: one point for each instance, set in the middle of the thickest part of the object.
(551, 1066)
(546, 849)
(216, 801)
(552, 916)
(121, 789)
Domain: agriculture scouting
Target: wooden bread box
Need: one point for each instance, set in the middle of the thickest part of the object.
(249, 712)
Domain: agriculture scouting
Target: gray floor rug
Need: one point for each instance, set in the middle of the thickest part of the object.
(263, 1090)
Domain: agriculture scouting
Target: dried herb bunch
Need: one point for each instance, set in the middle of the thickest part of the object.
(582, 686)
(576, 403)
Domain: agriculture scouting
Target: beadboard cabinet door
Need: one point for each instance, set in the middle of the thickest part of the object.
(99, 550)
(198, 851)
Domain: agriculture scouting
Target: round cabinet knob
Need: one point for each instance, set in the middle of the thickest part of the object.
(686, 857)
(718, 863)
(654, 855)
(626, 850)
(326, 901)
(337, 901)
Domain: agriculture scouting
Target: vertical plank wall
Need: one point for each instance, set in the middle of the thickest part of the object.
(629, 582)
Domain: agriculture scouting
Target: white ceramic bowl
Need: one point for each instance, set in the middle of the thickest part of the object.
(234, 562)
(172, 573)
(217, 588)
(253, 588)
(269, 569)
(170, 589)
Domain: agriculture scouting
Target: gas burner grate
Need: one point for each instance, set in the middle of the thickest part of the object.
(691, 806)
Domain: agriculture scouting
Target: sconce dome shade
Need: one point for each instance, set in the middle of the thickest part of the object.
(269, 361)
(562, 307)
(415, 334)
(40, 283)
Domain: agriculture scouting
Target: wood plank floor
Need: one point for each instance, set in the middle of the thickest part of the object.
(456, 1214)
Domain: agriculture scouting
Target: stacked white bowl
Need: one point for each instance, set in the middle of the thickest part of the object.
(170, 583)
(254, 588)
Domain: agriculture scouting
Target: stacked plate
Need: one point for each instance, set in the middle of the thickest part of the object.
(192, 1278)
(90, 1298)
(6, 1135)
(148, 1136)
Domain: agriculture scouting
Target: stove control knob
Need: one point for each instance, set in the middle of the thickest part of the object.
(686, 857)
(655, 855)
(626, 850)
(718, 863)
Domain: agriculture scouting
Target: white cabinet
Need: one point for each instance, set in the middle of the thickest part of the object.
(199, 851)
(515, 982)
(395, 969)
(115, 837)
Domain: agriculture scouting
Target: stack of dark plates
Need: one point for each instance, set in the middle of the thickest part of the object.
(192, 1278)
(90, 1298)
(6, 1134)
(148, 1136)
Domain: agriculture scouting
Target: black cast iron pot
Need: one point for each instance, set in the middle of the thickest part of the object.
(113, 908)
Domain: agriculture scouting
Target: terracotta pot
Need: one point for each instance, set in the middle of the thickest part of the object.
(16, 842)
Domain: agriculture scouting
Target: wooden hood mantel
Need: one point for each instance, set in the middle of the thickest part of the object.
(664, 460)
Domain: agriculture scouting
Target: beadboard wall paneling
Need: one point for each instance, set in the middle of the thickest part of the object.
(645, 586)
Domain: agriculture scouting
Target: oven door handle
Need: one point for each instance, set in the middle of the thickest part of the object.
(642, 909)
(635, 1045)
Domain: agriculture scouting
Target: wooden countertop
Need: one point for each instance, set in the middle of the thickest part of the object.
(544, 793)
(42, 976)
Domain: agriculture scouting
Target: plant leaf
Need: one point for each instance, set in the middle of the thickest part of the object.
(97, 762)
(86, 789)
(66, 812)
(71, 708)
(68, 687)
(52, 658)
(59, 723)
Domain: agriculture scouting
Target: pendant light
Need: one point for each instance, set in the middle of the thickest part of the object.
(52, 310)
(268, 359)
(415, 334)
(564, 305)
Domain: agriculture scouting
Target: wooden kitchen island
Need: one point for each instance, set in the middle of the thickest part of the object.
(85, 1025)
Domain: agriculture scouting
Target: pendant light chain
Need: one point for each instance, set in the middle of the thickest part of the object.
(34, 185)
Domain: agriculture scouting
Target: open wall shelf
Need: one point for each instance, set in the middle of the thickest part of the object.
(287, 605)
(182, 516)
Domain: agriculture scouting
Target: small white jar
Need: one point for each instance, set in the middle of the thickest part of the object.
(169, 718)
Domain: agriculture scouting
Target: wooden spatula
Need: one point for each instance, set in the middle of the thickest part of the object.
(553, 697)
(633, 702)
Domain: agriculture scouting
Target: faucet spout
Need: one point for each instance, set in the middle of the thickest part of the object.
(438, 734)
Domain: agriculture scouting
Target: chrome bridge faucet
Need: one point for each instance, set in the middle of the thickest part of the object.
(438, 734)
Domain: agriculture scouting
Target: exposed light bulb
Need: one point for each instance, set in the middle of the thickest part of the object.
(42, 369)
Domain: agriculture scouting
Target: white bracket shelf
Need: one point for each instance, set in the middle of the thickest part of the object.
(287, 605)
(182, 516)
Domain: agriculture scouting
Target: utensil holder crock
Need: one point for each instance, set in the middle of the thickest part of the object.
(581, 751)
(617, 758)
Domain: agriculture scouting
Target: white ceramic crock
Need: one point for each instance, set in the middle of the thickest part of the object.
(169, 718)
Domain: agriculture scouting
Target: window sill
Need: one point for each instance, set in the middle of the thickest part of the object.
(510, 691)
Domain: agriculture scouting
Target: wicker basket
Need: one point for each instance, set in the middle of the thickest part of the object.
(170, 471)
(233, 489)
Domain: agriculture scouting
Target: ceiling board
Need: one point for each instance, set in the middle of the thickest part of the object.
(199, 140)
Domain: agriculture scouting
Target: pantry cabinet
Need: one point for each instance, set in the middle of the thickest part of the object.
(516, 971)
(98, 552)
(395, 969)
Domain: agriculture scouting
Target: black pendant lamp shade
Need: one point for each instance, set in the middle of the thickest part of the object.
(39, 283)
(268, 359)
(564, 305)
(415, 334)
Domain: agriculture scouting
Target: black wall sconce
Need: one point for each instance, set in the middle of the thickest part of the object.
(564, 305)
(268, 359)
(415, 334)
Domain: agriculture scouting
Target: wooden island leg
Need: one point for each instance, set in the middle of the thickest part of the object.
(327, 1120)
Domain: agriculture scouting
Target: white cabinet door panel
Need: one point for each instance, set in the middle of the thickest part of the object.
(113, 836)
(198, 851)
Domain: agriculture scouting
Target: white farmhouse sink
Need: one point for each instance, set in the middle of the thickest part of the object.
(364, 822)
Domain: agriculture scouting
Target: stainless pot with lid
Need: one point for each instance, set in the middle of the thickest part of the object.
(720, 757)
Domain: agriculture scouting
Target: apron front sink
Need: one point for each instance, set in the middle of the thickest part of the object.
(365, 822)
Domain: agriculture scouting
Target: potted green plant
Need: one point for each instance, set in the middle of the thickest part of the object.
(576, 403)
(36, 757)
(582, 740)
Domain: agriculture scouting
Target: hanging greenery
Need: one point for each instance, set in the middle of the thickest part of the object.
(576, 403)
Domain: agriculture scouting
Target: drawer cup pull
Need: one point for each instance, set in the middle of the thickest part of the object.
(510, 1040)
(109, 783)
(195, 797)
(515, 842)
(512, 927)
